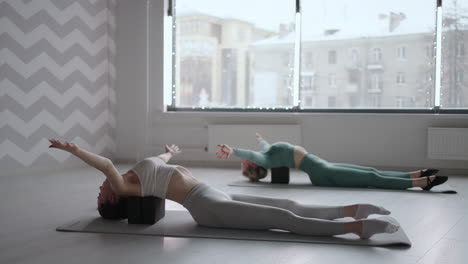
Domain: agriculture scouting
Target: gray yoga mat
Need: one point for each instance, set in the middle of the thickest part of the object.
(181, 224)
(305, 184)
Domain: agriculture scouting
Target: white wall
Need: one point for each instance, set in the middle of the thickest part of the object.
(56, 80)
(385, 140)
(131, 83)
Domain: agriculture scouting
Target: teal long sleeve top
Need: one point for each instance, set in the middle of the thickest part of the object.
(279, 154)
(323, 173)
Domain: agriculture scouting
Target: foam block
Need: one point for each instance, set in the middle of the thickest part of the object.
(145, 210)
(280, 175)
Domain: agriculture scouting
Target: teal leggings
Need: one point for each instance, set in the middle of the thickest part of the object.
(324, 173)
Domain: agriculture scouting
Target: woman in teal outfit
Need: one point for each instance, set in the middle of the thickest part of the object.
(324, 173)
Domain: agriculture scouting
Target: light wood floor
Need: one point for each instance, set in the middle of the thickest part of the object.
(34, 204)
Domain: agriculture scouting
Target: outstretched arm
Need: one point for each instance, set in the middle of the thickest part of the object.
(264, 145)
(170, 152)
(225, 151)
(100, 163)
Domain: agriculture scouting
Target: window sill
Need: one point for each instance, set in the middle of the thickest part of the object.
(420, 113)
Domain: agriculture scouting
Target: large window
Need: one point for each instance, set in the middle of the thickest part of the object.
(379, 40)
(229, 56)
(309, 54)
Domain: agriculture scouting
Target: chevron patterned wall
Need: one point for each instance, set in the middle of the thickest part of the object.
(57, 76)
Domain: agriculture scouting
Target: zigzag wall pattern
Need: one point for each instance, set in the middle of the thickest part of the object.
(57, 75)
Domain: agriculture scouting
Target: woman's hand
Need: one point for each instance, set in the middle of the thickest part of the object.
(258, 136)
(225, 151)
(173, 149)
(70, 147)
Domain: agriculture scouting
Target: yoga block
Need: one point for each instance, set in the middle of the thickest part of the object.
(280, 175)
(145, 210)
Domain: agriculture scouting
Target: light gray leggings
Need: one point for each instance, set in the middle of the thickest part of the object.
(214, 208)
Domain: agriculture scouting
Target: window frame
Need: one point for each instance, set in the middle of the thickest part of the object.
(297, 108)
(332, 57)
(401, 78)
(401, 53)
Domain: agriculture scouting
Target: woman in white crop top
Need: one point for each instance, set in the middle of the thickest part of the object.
(213, 208)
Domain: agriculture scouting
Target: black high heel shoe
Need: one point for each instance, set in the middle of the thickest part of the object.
(428, 172)
(437, 181)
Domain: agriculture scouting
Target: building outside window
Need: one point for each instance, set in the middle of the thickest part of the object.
(230, 57)
(401, 53)
(332, 57)
(308, 60)
(354, 58)
(332, 80)
(460, 49)
(332, 101)
(375, 100)
(399, 101)
(400, 79)
(308, 82)
(376, 83)
(377, 55)
(459, 77)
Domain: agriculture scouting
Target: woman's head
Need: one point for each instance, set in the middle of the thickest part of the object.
(110, 205)
(252, 171)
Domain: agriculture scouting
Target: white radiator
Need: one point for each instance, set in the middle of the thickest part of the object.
(447, 143)
(243, 136)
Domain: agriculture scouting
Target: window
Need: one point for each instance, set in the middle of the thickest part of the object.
(309, 101)
(217, 55)
(228, 56)
(459, 77)
(399, 101)
(377, 55)
(354, 57)
(308, 82)
(375, 100)
(308, 60)
(332, 57)
(460, 49)
(400, 79)
(401, 52)
(376, 84)
(454, 87)
(332, 80)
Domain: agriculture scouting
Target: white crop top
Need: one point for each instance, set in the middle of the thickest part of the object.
(154, 175)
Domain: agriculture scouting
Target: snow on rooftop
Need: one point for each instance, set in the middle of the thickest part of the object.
(379, 27)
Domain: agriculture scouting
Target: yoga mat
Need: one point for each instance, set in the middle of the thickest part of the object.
(181, 224)
(443, 188)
